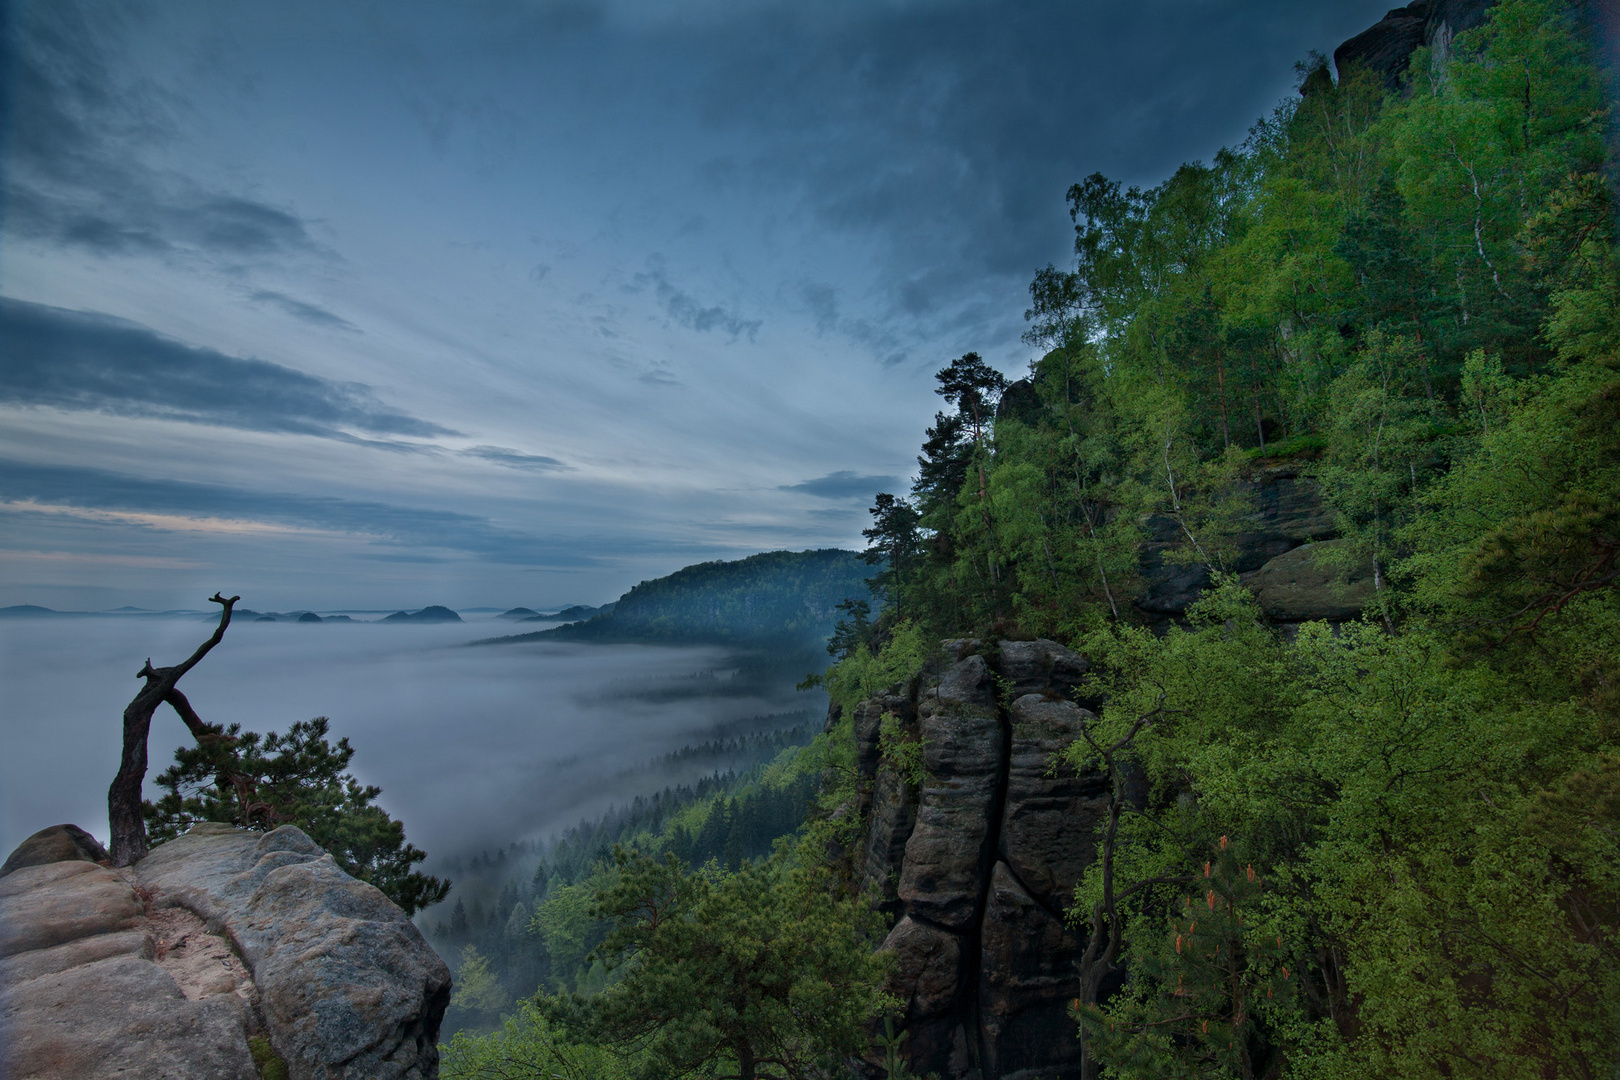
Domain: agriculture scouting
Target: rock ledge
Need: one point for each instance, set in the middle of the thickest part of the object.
(166, 969)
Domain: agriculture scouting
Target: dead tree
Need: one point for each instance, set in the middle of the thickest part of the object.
(124, 818)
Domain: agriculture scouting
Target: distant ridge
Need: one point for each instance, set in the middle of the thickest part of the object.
(432, 614)
(30, 611)
(777, 597)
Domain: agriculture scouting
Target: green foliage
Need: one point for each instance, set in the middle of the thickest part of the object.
(529, 1045)
(902, 750)
(863, 673)
(477, 990)
(564, 925)
(763, 972)
(261, 782)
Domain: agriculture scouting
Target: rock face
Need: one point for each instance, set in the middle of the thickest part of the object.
(984, 854)
(1304, 584)
(1289, 525)
(1386, 47)
(168, 968)
(947, 855)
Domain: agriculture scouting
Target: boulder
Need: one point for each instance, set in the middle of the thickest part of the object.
(347, 985)
(946, 856)
(1027, 977)
(1302, 585)
(1048, 821)
(45, 906)
(122, 1016)
(927, 972)
(145, 971)
(1285, 510)
(82, 994)
(59, 843)
(1386, 47)
(1169, 586)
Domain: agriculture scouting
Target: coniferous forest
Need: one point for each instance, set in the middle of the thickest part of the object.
(1371, 846)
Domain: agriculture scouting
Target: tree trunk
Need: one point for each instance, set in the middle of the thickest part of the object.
(124, 819)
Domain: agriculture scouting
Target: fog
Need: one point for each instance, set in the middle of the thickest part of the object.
(472, 747)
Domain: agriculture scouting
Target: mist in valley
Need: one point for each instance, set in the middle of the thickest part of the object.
(474, 747)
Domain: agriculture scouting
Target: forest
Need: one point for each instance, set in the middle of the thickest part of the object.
(1372, 847)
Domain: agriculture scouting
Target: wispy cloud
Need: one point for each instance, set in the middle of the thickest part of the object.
(75, 173)
(691, 313)
(842, 485)
(300, 309)
(142, 502)
(83, 360)
(514, 459)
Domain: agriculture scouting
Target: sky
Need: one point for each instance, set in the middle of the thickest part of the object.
(388, 304)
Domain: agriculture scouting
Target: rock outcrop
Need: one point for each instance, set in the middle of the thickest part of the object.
(1288, 514)
(1308, 583)
(170, 967)
(1386, 47)
(977, 861)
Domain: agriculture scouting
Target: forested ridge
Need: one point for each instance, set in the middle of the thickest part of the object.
(779, 598)
(1372, 847)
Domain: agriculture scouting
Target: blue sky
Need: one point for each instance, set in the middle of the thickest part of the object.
(388, 304)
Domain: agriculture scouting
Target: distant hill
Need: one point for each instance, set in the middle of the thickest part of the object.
(518, 613)
(29, 611)
(778, 596)
(433, 614)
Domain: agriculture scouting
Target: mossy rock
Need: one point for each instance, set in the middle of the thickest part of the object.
(1310, 582)
(266, 1060)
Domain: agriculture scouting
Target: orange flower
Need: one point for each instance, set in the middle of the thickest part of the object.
(1223, 843)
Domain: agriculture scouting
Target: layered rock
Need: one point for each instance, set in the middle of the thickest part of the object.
(947, 855)
(1047, 827)
(168, 968)
(1386, 47)
(987, 860)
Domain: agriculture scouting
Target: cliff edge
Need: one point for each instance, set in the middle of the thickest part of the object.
(222, 954)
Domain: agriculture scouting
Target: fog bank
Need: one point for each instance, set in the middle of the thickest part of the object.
(471, 746)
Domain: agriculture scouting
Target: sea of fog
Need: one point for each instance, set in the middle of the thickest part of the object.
(473, 747)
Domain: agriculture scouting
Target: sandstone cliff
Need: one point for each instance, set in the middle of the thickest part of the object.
(976, 858)
(217, 954)
(1386, 47)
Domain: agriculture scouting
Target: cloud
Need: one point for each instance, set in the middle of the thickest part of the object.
(86, 361)
(691, 313)
(299, 309)
(75, 172)
(387, 524)
(658, 376)
(514, 459)
(843, 485)
(945, 135)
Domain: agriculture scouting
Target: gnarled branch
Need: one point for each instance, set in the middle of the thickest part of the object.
(124, 819)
